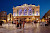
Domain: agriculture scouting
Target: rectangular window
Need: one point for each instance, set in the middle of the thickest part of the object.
(25, 13)
(14, 13)
(36, 12)
(10, 15)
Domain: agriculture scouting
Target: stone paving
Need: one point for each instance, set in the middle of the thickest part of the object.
(28, 28)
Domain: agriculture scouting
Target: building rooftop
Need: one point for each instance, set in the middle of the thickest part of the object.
(26, 5)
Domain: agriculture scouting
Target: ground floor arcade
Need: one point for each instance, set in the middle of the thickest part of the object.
(26, 18)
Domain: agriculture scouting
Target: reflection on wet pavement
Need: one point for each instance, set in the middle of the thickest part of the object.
(28, 28)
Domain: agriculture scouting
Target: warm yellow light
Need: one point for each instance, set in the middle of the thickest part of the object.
(35, 14)
(38, 21)
(33, 17)
(43, 20)
(4, 21)
(38, 14)
(27, 19)
(37, 18)
(11, 19)
(14, 17)
(8, 19)
(25, 4)
(46, 17)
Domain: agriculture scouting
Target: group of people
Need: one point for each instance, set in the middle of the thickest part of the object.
(19, 24)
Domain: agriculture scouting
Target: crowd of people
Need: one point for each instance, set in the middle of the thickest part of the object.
(20, 23)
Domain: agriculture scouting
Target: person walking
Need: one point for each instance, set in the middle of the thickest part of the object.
(17, 24)
(23, 24)
(46, 23)
(20, 24)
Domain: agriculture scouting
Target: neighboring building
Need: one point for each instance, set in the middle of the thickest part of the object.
(9, 17)
(3, 16)
(26, 12)
(47, 16)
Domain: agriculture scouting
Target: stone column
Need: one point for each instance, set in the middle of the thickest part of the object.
(32, 12)
(22, 12)
(17, 13)
(27, 12)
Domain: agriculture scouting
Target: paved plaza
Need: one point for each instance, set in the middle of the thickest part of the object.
(28, 28)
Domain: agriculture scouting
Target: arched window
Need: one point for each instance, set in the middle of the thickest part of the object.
(20, 11)
(25, 11)
(14, 13)
(30, 11)
(36, 12)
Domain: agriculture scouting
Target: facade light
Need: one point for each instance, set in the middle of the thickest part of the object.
(37, 18)
(11, 19)
(8, 19)
(38, 21)
(14, 17)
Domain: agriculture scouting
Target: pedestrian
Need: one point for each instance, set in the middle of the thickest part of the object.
(46, 23)
(23, 24)
(20, 24)
(17, 24)
(12, 22)
(32, 23)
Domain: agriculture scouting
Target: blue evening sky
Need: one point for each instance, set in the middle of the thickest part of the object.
(7, 5)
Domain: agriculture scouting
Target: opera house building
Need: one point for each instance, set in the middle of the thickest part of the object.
(26, 13)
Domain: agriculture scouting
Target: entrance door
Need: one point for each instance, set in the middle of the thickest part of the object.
(22, 19)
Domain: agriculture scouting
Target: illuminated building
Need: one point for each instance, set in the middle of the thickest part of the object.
(3, 16)
(26, 12)
(46, 17)
(9, 17)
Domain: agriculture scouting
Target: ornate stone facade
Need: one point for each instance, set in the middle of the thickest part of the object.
(25, 11)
